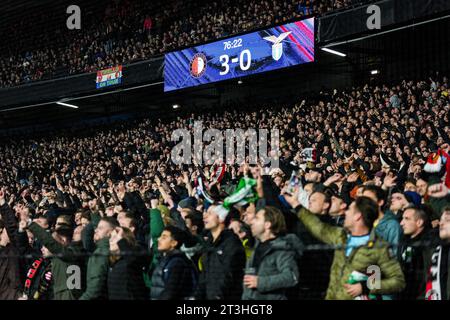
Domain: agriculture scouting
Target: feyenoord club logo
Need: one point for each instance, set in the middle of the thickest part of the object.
(198, 65)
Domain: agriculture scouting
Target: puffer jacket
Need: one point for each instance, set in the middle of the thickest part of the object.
(376, 252)
(174, 278)
(277, 271)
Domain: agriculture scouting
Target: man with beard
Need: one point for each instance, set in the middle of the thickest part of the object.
(358, 248)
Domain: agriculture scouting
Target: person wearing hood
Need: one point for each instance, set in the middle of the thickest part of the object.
(272, 268)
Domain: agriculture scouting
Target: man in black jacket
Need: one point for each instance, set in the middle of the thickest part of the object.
(438, 282)
(313, 280)
(133, 200)
(223, 261)
(416, 248)
(10, 280)
(125, 279)
(175, 277)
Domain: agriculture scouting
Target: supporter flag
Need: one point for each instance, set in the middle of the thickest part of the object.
(434, 163)
(309, 154)
(109, 77)
(203, 191)
(244, 193)
(218, 173)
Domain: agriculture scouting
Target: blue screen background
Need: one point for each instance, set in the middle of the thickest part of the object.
(298, 48)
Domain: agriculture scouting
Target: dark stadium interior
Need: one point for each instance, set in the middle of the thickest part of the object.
(405, 54)
(347, 199)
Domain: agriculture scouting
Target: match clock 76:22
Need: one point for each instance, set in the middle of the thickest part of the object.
(244, 58)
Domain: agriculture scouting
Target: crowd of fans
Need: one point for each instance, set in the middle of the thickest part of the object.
(108, 215)
(124, 31)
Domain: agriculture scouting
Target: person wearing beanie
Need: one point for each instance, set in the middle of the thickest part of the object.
(337, 209)
(189, 202)
(223, 261)
(379, 176)
(398, 203)
(413, 197)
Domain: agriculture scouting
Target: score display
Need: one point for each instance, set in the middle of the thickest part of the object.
(270, 49)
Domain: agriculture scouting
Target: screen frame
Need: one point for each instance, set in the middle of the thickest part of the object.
(207, 85)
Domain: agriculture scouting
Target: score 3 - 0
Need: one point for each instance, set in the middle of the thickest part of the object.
(244, 59)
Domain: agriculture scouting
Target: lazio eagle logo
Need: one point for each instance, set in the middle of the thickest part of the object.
(277, 47)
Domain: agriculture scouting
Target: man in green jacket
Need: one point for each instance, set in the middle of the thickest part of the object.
(98, 264)
(67, 260)
(358, 251)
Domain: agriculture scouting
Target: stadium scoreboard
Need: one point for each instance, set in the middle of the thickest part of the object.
(266, 50)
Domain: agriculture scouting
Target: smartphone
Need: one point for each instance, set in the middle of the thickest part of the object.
(294, 182)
